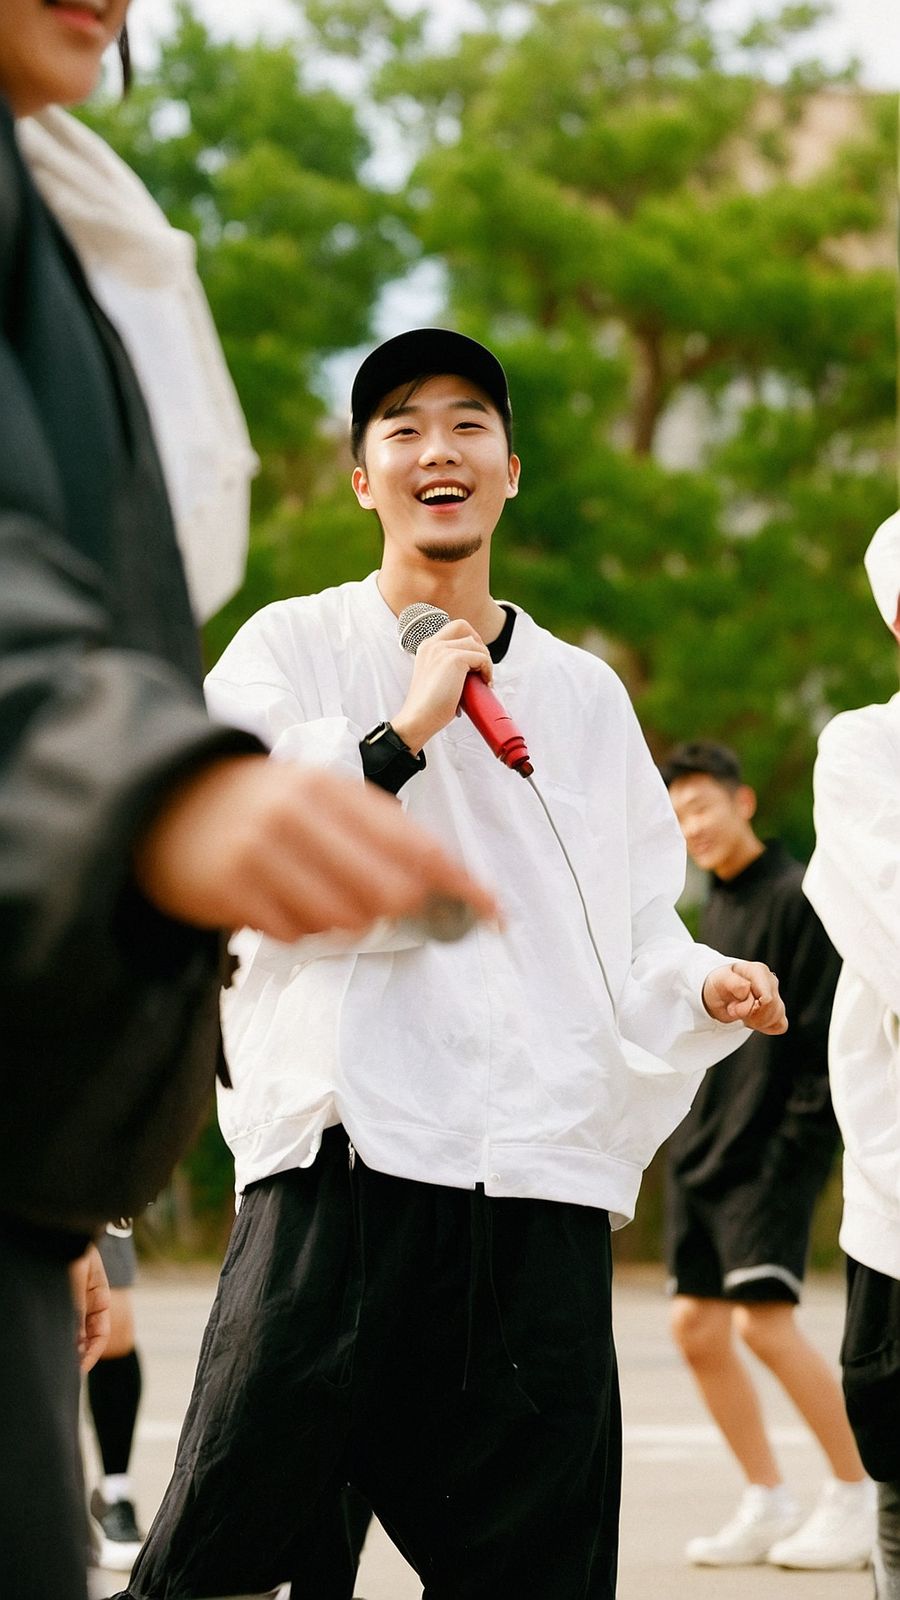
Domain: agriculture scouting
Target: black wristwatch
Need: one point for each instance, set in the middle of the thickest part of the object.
(386, 760)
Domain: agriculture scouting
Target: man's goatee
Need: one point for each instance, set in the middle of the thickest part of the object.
(450, 552)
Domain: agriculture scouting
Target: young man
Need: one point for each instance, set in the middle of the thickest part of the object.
(744, 1171)
(432, 1138)
(852, 882)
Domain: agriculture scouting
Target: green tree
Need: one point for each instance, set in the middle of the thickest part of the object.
(627, 211)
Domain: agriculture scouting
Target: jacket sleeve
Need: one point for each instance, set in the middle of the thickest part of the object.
(852, 879)
(808, 966)
(258, 684)
(91, 736)
(661, 1007)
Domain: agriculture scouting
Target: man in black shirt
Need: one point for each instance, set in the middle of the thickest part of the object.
(744, 1171)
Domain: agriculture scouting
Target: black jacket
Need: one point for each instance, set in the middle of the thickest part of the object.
(108, 1011)
(765, 1113)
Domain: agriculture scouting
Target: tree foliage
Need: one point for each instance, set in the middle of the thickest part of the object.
(685, 268)
(263, 169)
(633, 218)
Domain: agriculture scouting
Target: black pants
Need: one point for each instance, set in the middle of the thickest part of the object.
(870, 1358)
(43, 1537)
(331, 1561)
(448, 1355)
(887, 1556)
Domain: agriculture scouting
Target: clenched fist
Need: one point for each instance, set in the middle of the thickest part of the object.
(746, 991)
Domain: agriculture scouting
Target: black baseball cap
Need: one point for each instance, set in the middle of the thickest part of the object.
(424, 352)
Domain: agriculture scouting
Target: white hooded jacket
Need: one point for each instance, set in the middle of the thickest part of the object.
(853, 881)
(496, 1059)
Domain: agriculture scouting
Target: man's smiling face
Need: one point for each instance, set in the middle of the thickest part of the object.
(437, 468)
(50, 50)
(715, 818)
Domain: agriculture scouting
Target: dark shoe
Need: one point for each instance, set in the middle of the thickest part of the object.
(120, 1538)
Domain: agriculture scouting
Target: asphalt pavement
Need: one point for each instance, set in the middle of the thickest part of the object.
(679, 1478)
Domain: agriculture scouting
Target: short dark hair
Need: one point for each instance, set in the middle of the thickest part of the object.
(359, 426)
(124, 46)
(702, 756)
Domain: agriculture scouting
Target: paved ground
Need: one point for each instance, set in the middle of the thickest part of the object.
(679, 1479)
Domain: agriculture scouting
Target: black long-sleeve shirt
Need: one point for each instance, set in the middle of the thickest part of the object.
(769, 1103)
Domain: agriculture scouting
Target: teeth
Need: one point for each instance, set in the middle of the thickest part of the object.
(446, 492)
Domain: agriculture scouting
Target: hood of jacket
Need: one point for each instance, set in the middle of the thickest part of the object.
(143, 274)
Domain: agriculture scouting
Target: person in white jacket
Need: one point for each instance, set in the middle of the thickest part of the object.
(852, 882)
(433, 1137)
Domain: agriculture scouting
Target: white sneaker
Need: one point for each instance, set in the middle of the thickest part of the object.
(120, 1539)
(839, 1534)
(763, 1516)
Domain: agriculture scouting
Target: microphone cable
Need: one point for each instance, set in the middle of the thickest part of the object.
(415, 624)
(568, 860)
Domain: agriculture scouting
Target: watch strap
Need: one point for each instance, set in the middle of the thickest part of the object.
(386, 760)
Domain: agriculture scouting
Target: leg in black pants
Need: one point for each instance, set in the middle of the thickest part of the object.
(887, 1556)
(259, 1468)
(489, 1431)
(329, 1563)
(870, 1357)
(43, 1537)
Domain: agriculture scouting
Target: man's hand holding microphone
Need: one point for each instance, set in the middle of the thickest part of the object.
(442, 663)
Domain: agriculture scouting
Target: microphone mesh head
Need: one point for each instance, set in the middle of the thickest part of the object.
(417, 622)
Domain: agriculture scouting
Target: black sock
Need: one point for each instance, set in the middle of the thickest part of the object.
(114, 1391)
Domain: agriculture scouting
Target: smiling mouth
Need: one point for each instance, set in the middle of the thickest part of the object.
(443, 494)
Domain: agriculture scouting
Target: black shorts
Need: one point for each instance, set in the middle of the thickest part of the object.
(870, 1358)
(448, 1354)
(748, 1245)
(116, 1248)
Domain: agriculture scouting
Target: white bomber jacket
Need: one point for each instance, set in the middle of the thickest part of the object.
(853, 881)
(497, 1059)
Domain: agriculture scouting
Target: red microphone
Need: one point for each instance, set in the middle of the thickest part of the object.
(420, 621)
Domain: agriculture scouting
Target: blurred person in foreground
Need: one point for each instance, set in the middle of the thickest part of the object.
(432, 1141)
(132, 830)
(852, 881)
(743, 1173)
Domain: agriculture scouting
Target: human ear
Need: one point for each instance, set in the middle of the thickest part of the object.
(512, 486)
(361, 489)
(745, 799)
